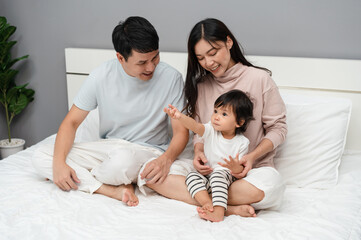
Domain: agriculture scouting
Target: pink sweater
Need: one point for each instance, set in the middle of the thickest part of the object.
(269, 109)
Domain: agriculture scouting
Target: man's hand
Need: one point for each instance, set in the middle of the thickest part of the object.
(172, 112)
(157, 170)
(247, 162)
(232, 164)
(199, 163)
(65, 177)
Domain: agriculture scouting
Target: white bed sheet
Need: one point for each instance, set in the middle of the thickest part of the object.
(33, 208)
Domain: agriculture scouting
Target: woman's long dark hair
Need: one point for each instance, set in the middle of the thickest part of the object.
(211, 30)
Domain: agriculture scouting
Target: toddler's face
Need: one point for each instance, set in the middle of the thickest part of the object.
(223, 119)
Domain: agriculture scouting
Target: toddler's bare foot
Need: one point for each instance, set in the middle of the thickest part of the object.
(241, 210)
(203, 210)
(207, 207)
(216, 216)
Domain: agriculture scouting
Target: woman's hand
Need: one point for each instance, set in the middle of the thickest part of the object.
(264, 147)
(233, 164)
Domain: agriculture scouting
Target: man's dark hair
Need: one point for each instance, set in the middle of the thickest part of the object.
(135, 33)
(241, 105)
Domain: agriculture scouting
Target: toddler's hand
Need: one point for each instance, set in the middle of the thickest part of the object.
(232, 164)
(172, 112)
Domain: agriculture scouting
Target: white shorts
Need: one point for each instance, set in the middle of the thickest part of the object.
(270, 182)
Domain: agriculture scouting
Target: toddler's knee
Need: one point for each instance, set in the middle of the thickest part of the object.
(192, 176)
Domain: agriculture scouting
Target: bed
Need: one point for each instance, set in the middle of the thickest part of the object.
(320, 162)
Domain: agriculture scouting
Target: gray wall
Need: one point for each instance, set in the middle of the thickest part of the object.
(307, 28)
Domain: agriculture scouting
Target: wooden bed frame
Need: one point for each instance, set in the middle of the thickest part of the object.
(310, 76)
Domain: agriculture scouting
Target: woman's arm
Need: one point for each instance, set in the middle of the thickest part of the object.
(274, 125)
(264, 147)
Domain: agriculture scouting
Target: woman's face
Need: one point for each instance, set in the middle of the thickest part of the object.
(215, 57)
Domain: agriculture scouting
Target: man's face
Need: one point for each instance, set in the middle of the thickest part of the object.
(140, 65)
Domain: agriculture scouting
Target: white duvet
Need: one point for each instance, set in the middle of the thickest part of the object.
(33, 208)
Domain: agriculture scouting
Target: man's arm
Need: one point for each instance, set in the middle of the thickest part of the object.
(63, 175)
(158, 169)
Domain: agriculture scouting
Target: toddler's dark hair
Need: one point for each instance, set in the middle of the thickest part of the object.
(241, 105)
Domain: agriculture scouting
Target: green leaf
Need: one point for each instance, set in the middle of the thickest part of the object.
(16, 105)
(6, 32)
(16, 100)
(2, 22)
(5, 53)
(12, 93)
(12, 62)
(29, 93)
(7, 79)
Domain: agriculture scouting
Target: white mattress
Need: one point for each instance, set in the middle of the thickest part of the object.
(33, 208)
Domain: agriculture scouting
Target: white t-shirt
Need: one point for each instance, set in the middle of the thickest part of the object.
(216, 147)
(130, 108)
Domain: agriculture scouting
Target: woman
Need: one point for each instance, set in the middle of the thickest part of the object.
(216, 65)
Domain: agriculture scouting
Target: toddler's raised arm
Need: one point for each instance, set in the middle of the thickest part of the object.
(187, 122)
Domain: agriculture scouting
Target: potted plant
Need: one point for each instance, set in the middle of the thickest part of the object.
(12, 97)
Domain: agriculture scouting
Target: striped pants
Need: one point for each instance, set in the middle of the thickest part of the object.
(216, 183)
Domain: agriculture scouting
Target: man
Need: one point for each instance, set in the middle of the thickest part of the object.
(130, 93)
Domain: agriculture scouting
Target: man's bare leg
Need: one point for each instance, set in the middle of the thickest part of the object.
(124, 193)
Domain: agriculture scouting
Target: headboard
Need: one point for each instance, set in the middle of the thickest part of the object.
(310, 76)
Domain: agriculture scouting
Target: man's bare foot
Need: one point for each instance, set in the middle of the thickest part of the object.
(129, 197)
(216, 216)
(124, 193)
(241, 210)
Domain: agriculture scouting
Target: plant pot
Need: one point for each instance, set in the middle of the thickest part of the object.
(6, 148)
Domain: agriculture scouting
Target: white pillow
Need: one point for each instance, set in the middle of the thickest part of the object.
(89, 129)
(317, 129)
